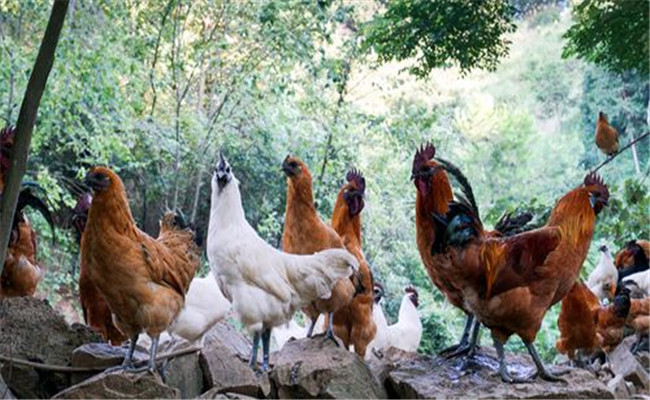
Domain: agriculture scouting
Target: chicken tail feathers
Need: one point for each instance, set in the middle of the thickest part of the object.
(465, 187)
(28, 198)
(510, 224)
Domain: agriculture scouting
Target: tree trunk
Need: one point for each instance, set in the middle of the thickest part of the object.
(27, 119)
(635, 157)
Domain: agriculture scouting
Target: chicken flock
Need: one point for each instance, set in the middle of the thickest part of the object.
(504, 279)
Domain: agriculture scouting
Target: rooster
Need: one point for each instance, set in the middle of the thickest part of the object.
(606, 136)
(407, 332)
(144, 280)
(95, 309)
(603, 279)
(353, 323)
(306, 233)
(434, 192)
(577, 323)
(266, 286)
(509, 283)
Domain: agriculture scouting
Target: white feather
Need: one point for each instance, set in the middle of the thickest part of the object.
(266, 285)
(642, 279)
(380, 342)
(603, 276)
(407, 332)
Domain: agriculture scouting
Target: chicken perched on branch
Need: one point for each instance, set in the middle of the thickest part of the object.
(510, 283)
(353, 323)
(603, 279)
(144, 280)
(606, 136)
(306, 233)
(577, 323)
(434, 192)
(266, 286)
(95, 309)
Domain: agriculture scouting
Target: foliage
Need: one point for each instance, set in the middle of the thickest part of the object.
(612, 34)
(438, 34)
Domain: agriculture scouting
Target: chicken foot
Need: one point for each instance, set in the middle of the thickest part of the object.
(542, 372)
(464, 346)
(330, 329)
(127, 364)
(256, 344)
(503, 368)
(266, 347)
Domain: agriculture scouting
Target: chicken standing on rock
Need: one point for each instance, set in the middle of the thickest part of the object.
(266, 286)
(353, 323)
(144, 280)
(305, 233)
(510, 283)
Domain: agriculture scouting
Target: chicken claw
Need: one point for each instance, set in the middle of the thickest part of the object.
(542, 372)
(453, 351)
(127, 364)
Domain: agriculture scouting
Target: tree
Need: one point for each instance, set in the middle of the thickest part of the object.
(610, 33)
(441, 33)
(27, 119)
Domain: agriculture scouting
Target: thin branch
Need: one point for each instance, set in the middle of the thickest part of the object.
(607, 161)
(65, 368)
(168, 9)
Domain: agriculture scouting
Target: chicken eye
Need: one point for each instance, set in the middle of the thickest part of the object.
(293, 164)
(227, 170)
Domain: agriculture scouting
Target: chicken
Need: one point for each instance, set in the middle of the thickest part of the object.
(95, 309)
(284, 333)
(577, 323)
(606, 136)
(640, 281)
(632, 259)
(407, 332)
(610, 321)
(353, 323)
(380, 342)
(266, 286)
(603, 279)
(434, 192)
(639, 319)
(144, 280)
(22, 271)
(509, 283)
(306, 233)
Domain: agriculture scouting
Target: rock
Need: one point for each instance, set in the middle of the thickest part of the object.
(316, 368)
(121, 385)
(214, 394)
(224, 371)
(30, 329)
(621, 360)
(638, 377)
(619, 388)
(225, 335)
(100, 356)
(438, 378)
(185, 374)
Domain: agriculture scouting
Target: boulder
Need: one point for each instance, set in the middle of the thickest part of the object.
(30, 329)
(121, 385)
(185, 374)
(316, 368)
(224, 371)
(438, 378)
(224, 334)
(215, 394)
(100, 356)
(5, 393)
(617, 386)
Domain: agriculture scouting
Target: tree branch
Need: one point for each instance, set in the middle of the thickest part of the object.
(27, 119)
(619, 152)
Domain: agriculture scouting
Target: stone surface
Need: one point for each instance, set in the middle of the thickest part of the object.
(5, 392)
(121, 385)
(225, 335)
(426, 377)
(30, 329)
(185, 374)
(215, 394)
(224, 371)
(100, 355)
(619, 388)
(316, 368)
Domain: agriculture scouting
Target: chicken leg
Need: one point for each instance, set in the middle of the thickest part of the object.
(462, 347)
(330, 329)
(310, 331)
(127, 364)
(542, 372)
(266, 347)
(503, 368)
(256, 344)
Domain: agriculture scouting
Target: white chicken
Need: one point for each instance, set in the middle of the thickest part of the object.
(379, 343)
(407, 332)
(266, 286)
(602, 280)
(641, 280)
(283, 333)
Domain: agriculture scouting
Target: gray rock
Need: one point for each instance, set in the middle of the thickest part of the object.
(121, 385)
(225, 335)
(621, 360)
(437, 378)
(100, 355)
(30, 329)
(619, 388)
(224, 371)
(5, 393)
(316, 368)
(638, 377)
(185, 374)
(215, 394)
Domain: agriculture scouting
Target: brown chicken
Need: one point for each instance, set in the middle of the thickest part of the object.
(577, 323)
(635, 253)
(306, 233)
(144, 280)
(509, 283)
(639, 317)
(606, 136)
(354, 323)
(22, 271)
(434, 192)
(95, 309)
(610, 321)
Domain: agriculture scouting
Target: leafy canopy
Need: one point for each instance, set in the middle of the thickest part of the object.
(610, 33)
(439, 33)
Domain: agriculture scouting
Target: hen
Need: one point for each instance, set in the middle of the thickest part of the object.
(633, 258)
(510, 283)
(603, 279)
(406, 333)
(577, 323)
(353, 323)
(144, 280)
(610, 321)
(306, 233)
(266, 286)
(95, 309)
(380, 342)
(606, 136)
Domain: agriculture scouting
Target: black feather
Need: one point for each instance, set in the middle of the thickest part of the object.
(465, 186)
(509, 225)
(27, 198)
